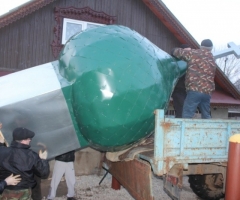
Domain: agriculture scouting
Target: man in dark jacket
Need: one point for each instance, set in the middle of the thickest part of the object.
(11, 180)
(63, 165)
(179, 93)
(20, 159)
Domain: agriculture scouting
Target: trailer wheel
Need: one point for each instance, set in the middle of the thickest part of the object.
(208, 187)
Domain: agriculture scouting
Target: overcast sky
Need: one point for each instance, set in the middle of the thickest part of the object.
(218, 20)
(10, 4)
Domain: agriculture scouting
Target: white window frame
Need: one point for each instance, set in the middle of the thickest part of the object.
(73, 21)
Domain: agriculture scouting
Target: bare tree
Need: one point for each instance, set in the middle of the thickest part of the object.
(237, 84)
(230, 65)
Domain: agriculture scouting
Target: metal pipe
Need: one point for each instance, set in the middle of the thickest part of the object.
(115, 184)
(233, 172)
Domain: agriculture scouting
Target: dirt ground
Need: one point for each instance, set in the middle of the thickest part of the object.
(88, 188)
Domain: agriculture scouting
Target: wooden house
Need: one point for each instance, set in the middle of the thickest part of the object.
(34, 34)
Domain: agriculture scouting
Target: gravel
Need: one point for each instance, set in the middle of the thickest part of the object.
(88, 188)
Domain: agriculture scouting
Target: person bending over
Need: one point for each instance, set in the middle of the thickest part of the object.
(199, 80)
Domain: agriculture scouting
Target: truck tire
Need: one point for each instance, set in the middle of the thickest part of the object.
(208, 187)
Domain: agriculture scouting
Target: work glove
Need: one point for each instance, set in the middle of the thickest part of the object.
(1, 135)
(2, 139)
(43, 154)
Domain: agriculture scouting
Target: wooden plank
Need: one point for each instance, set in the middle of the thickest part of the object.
(135, 176)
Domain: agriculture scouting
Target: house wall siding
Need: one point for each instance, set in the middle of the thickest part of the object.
(219, 113)
(27, 42)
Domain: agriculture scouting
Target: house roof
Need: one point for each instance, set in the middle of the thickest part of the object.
(161, 12)
(222, 99)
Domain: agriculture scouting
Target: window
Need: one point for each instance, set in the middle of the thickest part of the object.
(73, 17)
(71, 27)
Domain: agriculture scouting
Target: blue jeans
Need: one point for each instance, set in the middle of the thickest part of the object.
(196, 99)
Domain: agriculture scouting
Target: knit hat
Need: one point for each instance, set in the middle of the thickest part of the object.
(184, 46)
(22, 134)
(207, 44)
